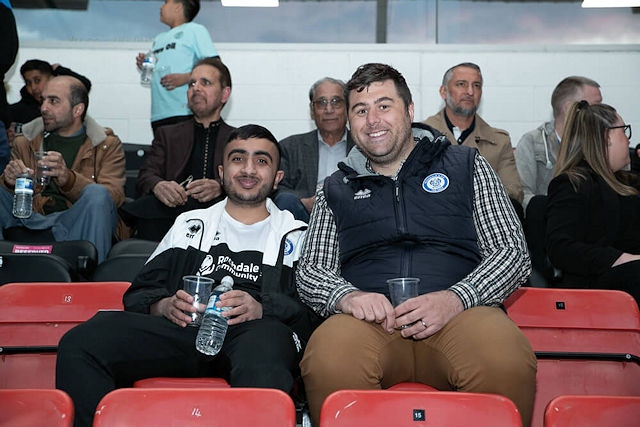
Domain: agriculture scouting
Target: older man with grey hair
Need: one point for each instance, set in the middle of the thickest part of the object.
(308, 158)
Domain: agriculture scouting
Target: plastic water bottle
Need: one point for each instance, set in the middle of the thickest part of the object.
(148, 64)
(23, 196)
(214, 327)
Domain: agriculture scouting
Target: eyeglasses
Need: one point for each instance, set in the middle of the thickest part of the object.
(323, 103)
(627, 130)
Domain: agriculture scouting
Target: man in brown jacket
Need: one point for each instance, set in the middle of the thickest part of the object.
(181, 171)
(86, 169)
(461, 91)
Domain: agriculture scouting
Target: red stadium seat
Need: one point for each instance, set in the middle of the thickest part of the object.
(33, 407)
(237, 407)
(587, 342)
(383, 408)
(166, 382)
(609, 318)
(34, 317)
(593, 411)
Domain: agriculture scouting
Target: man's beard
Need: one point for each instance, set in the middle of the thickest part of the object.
(247, 199)
(458, 110)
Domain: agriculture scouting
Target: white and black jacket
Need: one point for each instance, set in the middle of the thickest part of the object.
(183, 250)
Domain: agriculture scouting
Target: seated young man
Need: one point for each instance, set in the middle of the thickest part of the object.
(268, 325)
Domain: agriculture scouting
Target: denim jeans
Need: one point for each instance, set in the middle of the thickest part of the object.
(92, 217)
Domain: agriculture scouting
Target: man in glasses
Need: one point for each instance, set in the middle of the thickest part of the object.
(308, 158)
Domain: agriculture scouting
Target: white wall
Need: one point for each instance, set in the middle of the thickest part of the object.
(271, 81)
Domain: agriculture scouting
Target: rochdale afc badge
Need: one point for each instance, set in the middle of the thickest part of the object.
(435, 183)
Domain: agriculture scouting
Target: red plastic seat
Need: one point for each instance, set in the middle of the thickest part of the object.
(576, 319)
(587, 342)
(35, 407)
(237, 407)
(593, 411)
(384, 408)
(166, 382)
(34, 317)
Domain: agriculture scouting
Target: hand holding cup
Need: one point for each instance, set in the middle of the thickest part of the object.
(401, 289)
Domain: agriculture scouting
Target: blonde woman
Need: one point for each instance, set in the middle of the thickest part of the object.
(593, 212)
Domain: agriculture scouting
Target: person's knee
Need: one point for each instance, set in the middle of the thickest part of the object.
(342, 347)
(97, 195)
(263, 374)
(267, 357)
(290, 202)
(284, 199)
(93, 333)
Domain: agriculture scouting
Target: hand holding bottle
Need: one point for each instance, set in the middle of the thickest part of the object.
(242, 307)
(14, 169)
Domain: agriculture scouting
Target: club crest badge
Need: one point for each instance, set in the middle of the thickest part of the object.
(288, 247)
(435, 183)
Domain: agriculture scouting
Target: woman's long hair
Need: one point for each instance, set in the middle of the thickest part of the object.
(585, 140)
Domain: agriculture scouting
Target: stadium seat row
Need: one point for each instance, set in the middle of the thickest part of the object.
(587, 341)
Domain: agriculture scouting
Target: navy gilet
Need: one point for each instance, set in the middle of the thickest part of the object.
(418, 226)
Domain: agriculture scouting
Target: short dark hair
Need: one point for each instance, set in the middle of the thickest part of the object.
(190, 8)
(255, 131)
(36, 65)
(216, 62)
(374, 72)
(569, 90)
(78, 95)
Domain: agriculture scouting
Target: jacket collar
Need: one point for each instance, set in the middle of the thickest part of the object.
(95, 132)
(428, 139)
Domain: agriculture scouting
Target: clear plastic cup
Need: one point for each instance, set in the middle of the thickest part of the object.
(402, 289)
(40, 178)
(200, 288)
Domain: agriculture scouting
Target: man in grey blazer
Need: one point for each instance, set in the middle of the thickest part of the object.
(308, 158)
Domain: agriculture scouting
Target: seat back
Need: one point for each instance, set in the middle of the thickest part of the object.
(34, 317)
(133, 157)
(33, 268)
(19, 233)
(31, 407)
(593, 411)
(577, 320)
(81, 255)
(237, 407)
(133, 246)
(383, 408)
(120, 268)
(587, 342)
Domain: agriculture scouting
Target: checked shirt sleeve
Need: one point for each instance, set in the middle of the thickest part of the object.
(505, 263)
(318, 275)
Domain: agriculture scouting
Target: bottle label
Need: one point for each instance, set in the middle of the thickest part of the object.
(211, 305)
(24, 185)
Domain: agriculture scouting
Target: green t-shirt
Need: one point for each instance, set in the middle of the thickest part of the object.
(68, 147)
